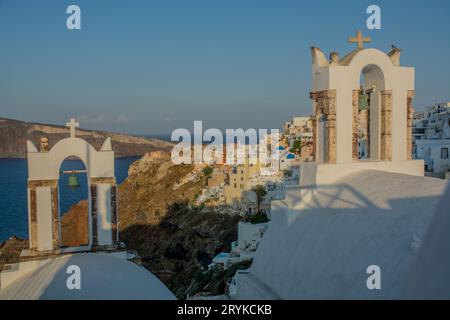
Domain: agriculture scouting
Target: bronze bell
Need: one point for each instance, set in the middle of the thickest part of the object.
(363, 104)
(73, 182)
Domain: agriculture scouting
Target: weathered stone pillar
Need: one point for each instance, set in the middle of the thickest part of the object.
(33, 185)
(325, 102)
(114, 214)
(409, 124)
(355, 127)
(55, 219)
(93, 188)
(99, 185)
(386, 126)
(314, 144)
(331, 138)
(369, 136)
(33, 219)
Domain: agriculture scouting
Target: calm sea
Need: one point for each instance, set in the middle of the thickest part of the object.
(13, 192)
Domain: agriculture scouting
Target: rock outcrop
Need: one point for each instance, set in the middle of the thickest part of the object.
(75, 225)
(149, 189)
(179, 249)
(175, 239)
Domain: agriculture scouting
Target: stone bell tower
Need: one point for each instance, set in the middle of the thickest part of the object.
(362, 112)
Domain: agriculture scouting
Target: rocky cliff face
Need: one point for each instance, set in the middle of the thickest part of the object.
(175, 239)
(150, 188)
(14, 135)
(75, 225)
(179, 248)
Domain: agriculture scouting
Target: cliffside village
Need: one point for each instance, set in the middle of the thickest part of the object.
(231, 188)
(233, 185)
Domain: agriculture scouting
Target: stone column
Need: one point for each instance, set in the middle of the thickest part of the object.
(314, 144)
(386, 126)
(326, 104)
(355, 127)
(95, 182)
(114, 214)
(331, 138)
(368, 136)
(409, 124)
(33, 185)
(33, 219)
(93, 188)
(55, 219)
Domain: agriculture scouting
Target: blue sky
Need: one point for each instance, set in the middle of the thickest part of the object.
(149, 67)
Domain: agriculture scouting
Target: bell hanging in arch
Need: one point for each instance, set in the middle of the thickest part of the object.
(73, 182)
(363, 104)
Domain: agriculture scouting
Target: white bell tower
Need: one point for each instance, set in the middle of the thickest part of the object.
(341, 129)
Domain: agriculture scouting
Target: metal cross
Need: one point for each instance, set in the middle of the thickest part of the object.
(359, 39)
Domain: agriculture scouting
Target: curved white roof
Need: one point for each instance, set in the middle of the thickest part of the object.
(103, 277)
(320, 244)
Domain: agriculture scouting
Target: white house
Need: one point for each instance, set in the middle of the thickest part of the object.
(435, 153)
(244, 249)
(431, 135)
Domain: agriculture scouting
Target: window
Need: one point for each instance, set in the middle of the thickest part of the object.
(444, 153)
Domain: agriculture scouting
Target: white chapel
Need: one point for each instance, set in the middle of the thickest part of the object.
(363, 202)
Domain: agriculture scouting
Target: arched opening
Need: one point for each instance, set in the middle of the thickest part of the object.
(367, 118)
(73, 204)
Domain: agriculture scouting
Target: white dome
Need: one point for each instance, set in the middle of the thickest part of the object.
(103, 276)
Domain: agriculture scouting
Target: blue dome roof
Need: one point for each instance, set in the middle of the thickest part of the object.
(290, 156)
(281, 148)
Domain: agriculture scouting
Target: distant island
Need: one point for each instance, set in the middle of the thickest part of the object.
(15, 133)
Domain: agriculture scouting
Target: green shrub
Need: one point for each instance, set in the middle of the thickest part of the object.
(207, 171)
(259, 218)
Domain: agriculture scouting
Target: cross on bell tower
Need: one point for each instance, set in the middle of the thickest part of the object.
(359, 39)
(72, 124)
